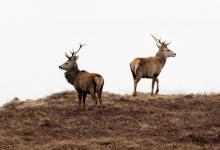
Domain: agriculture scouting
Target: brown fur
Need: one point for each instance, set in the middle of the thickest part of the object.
(84, 82)
(88, 82)
(150, 67)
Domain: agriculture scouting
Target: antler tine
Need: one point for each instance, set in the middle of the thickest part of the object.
(168, 43)
(67, 56)
(80, 46)
(72, 53)
(160, 40)
(164, 42)
(157, 40)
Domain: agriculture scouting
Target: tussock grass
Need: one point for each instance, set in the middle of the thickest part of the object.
(144, 122)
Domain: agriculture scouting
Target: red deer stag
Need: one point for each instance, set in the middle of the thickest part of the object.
(83, 81)
(151, 67)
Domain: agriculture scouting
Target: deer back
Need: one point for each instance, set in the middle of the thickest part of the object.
(85, 81)
(146, 67)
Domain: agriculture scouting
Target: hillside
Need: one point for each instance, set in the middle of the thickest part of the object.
(142, 122)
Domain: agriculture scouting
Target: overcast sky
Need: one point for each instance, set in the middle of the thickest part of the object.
(35, 34)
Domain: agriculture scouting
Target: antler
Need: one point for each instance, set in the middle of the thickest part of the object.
(168, 43)
(157, 40)
(74, 53)
(80, 46)
(67, 56)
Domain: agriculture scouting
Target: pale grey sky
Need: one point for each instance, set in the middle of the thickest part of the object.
(35, 35)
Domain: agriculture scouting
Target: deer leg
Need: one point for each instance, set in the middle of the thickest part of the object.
(157, 91)
(152, 86)
(93, 94)
(100, 100)
(136, 80)
(80, 98)
(94, 99)
(84, 100)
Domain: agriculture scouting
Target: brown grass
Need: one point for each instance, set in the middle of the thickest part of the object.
(142, 122)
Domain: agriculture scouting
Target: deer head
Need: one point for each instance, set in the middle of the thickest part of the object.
(71, 62)
(162, 45)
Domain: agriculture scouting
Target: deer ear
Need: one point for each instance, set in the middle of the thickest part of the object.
(158, 45)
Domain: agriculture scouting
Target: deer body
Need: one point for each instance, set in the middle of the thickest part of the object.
(83, 81)
(150, 67)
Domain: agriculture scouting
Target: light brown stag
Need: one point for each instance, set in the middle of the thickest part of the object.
(151, 67)
(83, 81)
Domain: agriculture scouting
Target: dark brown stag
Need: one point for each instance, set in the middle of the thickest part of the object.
(151, 67)
(83, 81)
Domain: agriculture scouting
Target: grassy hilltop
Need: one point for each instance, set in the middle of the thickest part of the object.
(142, 122)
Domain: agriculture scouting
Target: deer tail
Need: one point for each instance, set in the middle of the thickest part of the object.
(99, 83)
(133, 70)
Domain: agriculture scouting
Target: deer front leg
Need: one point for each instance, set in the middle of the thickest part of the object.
(157, 91)
(80, 98)
(84, 100)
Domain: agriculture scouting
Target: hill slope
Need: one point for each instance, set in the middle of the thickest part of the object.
(142, 122)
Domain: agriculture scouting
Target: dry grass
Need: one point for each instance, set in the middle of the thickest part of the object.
(142, 122)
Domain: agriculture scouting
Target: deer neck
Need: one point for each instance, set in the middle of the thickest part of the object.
(162, 58)
(71, 74)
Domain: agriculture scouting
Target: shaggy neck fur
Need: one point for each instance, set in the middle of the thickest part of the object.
(161, 57)
(71, 74)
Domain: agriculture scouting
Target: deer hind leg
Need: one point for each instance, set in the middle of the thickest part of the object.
(152, 86)
(95, 100)
(84, 100)
(157, 91)
(136, 80)
(93, 94)
(100, 100)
